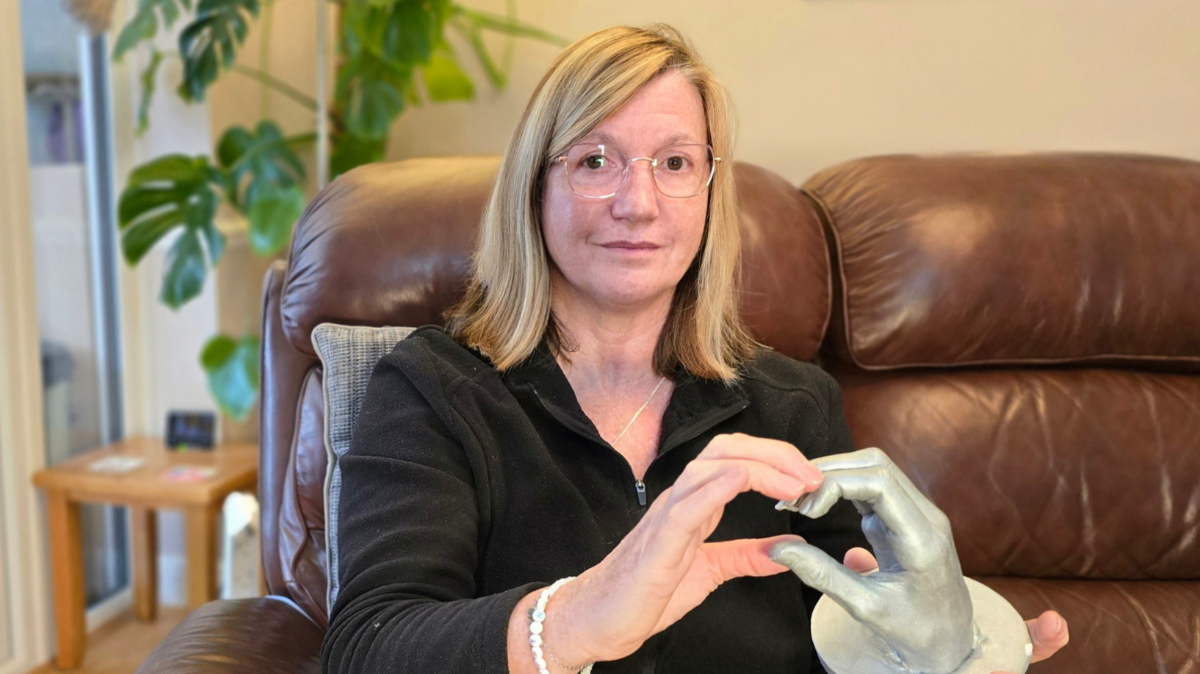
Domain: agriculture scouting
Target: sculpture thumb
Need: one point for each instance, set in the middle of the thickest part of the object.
(822, 572)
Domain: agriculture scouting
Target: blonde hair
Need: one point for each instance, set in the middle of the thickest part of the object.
(506, 311)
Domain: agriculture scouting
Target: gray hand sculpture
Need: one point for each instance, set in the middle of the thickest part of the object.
(917, 606)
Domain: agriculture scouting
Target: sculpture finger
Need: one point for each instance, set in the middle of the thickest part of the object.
(905, 525)
(877, 535)
(873, 456)
(822, 572)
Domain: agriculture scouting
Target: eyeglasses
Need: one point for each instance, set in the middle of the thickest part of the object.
(597, 171)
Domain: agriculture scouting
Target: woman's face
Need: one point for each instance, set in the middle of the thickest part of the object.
(630, 250)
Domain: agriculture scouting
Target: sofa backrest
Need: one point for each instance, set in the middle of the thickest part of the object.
(1022, 335)
(389, 244)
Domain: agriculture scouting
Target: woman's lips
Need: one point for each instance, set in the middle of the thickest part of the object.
(629, 245)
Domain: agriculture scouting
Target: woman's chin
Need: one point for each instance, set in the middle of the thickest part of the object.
(625, 299)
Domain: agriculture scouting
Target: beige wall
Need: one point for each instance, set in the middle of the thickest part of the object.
(816, 82)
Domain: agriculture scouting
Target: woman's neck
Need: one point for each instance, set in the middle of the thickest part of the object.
(611, 349)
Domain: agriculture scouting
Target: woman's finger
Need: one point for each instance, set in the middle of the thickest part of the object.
(783, 456)
(1049, 633)
(860, 560)
(763, 478)
(746, 557)
(684, 516)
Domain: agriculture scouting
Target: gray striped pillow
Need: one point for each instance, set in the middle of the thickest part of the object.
(348, 355)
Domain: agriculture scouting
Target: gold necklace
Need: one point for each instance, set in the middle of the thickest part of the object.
(640, 409)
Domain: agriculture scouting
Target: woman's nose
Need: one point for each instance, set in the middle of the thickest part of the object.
(637, 199)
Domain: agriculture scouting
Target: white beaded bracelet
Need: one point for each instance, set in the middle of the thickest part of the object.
(537, 615)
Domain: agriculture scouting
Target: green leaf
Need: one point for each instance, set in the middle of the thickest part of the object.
(263, 175)
(231, 367)
(209, 43)
(140, 239)
(168, 192)
(496, 75)
(143, 25)
(233, 144)
(446, 82)
(148, 78)
(185, 270)
(412, 30)
(370, 95)
(503, 24)
(272, 216)
(350, 151)
(214, 240)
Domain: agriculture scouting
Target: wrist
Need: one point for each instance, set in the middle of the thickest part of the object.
(558, 636)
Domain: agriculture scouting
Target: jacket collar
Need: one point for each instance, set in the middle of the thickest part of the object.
(696, 405)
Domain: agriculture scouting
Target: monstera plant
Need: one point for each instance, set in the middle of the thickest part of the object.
(391, 54)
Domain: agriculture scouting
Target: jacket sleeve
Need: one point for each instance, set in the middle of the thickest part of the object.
(841, 528)
(409, 532)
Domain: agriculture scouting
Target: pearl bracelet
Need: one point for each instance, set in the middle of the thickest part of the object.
(537, 615)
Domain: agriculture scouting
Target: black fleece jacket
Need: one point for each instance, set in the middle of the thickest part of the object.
(465, 489)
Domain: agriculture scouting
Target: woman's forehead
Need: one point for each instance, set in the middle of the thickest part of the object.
(667, 110)
(672, 139)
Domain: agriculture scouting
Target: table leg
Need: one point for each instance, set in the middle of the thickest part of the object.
(66, 560)
(145, 562)
(201, 554)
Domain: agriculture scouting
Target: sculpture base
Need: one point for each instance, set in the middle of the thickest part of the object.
(843, 643)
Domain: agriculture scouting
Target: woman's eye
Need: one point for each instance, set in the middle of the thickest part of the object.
(595, 162)
(675, 163)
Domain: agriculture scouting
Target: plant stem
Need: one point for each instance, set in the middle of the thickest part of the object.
(301, 138)
(282, 87)
(264, 56)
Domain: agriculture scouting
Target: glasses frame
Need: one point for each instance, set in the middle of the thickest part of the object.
(712, 171)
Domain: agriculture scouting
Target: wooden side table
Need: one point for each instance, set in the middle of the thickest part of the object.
(144, 490)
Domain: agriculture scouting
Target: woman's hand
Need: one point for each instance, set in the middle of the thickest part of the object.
(1048, 632)
(663, 568)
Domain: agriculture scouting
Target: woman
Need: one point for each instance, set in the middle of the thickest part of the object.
(596, 409)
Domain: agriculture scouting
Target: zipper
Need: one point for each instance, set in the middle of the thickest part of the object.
(641, 492)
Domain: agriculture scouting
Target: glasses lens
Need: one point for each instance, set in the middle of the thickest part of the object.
(594, 170)
(683, 170)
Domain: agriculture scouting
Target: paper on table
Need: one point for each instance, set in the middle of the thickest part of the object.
(116, 464)
(189, 473)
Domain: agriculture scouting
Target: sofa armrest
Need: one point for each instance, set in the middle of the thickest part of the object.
(241, 636)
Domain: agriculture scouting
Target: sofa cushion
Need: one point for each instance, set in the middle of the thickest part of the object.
(1118, 626)
(1027, 259)
(348, 356)
(1049, 473)
(301, 535)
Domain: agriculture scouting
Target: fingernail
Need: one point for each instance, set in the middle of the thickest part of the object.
(1058, 624)
(779, 554)
(796, 487)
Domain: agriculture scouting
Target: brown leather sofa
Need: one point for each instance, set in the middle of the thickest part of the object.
(1020, 333)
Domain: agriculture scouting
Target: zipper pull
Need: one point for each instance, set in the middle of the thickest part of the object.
(641, 492)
